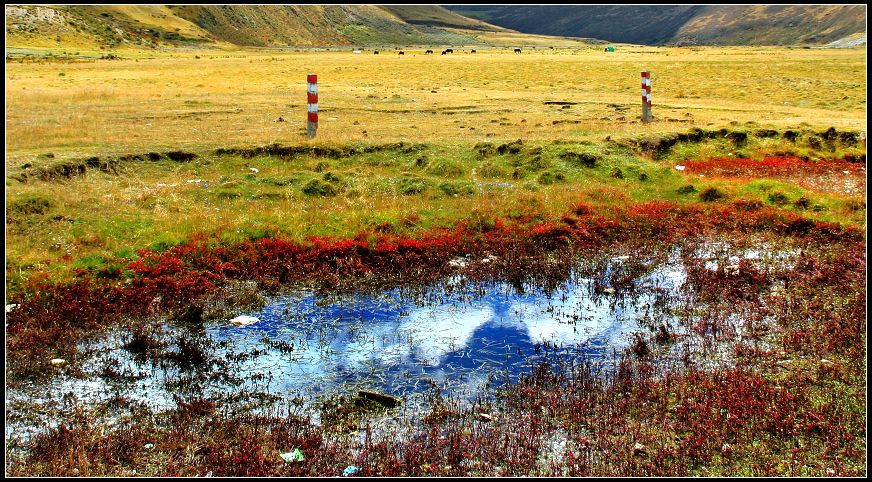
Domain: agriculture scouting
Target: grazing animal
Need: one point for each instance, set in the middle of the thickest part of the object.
(402, 53)
(472, 51)
(450, 51)
(444, 52)
(428, 52)
(517, 51)
(375, 52)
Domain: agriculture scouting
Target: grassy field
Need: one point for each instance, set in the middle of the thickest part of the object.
(446, 107)
(211, 99)
(142, 187)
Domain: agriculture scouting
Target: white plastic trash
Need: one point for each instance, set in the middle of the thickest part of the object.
(244, 320)
(458, 263)
(293, 456)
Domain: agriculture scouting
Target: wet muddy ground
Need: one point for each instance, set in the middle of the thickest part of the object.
(457, 336)
(516, 348)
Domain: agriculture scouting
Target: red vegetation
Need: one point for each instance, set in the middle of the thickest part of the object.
(749, 417)
(843, 175)
(772, 166)
(51, 318)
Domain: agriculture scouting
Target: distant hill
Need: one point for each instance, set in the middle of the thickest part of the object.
(680, 24)
(98, 26)
(314, 25)
(107, 26)
(437, 16)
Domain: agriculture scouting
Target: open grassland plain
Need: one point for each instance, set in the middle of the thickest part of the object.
(150, 193)
(445, 109)
(211, 99)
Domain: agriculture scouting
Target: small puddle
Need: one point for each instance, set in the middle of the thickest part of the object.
(457, 336)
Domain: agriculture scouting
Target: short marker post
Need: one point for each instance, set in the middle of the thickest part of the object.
(312, 105)
(646, 97)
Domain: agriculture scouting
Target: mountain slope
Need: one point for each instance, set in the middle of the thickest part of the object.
(681, 24)
(437, 16)
(96, 26)
(309, 25)
(773, 24)
(630, 24)
(104, 26)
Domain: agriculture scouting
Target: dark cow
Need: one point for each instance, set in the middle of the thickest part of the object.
(449, 51)
(375, 52)
(444, 52)
(517, 51)
(402, 53)
(428, 52)
(472, 51)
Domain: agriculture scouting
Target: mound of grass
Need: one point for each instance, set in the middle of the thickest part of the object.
(579, 159)
(549, 177)
(687, 189)
(446, 168)
(329, 185)
(778, 198)
(711, 194)
(491, 170)
(411, 186)
(319, 188)
(450, 188)
(29, 205)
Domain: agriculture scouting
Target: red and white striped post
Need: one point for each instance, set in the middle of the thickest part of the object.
(312, 106)
(646, 97)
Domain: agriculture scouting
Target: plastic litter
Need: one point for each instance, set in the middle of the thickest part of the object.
(350, 470)
(458, 263)
(292, 456)
(244, 320)
(639, 449)
(679, 168)
(58, 361)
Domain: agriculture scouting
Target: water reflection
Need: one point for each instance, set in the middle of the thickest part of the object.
(457, 335)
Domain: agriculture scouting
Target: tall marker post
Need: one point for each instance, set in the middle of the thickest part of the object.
(312, 106)
(646, 97)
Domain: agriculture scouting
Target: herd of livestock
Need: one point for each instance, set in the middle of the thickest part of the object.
(429, 52)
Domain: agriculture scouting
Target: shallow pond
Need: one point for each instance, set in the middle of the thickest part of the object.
(457, 336)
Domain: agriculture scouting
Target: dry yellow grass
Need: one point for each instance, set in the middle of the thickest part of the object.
(162, 17)
(155, 102)
(232, 98)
